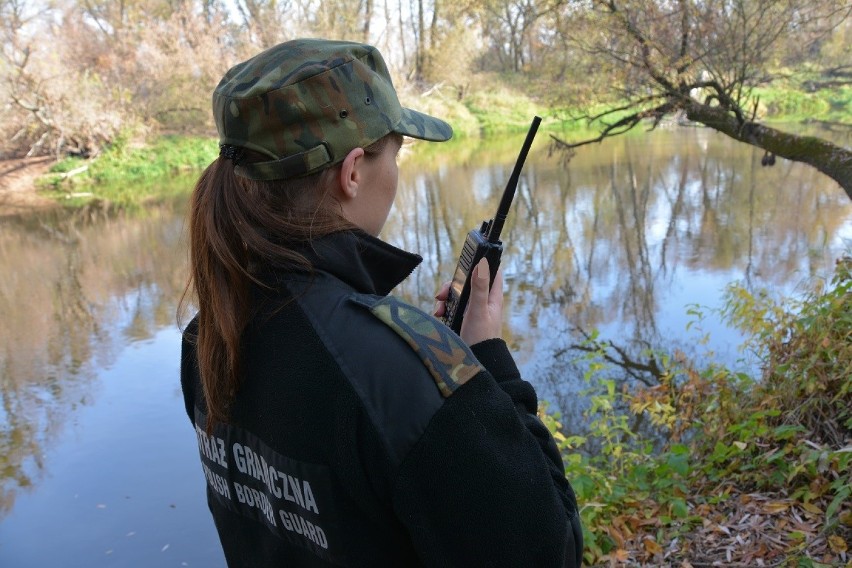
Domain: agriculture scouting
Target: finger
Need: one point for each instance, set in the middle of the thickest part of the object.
(482, 321)
(444, 291)
(479, 287)
(440, 309)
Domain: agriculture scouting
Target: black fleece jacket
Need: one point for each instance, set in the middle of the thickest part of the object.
(365, 433)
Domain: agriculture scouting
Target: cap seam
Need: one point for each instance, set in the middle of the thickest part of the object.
(288, 85)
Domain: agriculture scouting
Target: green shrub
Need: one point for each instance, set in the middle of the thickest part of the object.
(716, 434)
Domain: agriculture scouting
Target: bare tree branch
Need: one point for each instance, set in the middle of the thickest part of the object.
(703, 59)
(647, 371)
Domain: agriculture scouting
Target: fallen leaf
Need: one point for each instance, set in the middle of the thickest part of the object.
(775, 507)
(837, 544)
(652, 547)
(616, 536)
(811, 508)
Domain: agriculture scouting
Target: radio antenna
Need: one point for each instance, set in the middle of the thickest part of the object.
(509, 193)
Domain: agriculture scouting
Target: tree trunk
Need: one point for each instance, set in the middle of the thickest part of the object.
(402, 33)
(421, 42)
(368, 15)
(834, 161)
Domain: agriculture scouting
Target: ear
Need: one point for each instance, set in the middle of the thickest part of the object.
(350, 173)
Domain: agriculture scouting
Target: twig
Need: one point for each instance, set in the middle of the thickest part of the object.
(74, 172)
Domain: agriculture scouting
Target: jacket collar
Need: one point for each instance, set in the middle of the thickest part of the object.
(366, 263)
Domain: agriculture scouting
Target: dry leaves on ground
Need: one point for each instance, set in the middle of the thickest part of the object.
(745, 529)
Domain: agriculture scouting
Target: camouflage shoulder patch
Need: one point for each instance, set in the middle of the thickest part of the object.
(449, 360)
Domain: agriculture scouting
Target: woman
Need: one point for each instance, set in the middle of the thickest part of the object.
(336, 424)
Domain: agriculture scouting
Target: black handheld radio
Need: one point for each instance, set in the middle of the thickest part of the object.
(484, 242)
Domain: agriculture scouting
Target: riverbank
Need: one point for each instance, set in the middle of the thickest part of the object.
(18, 179)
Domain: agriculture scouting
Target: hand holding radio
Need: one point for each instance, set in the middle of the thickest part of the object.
(484, 315)
(483, 243)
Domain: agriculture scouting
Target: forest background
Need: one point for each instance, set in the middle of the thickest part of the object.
(695, 466)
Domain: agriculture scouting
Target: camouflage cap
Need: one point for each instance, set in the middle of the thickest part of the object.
(306, 103)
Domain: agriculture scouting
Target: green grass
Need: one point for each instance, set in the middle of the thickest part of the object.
(501, 110)
(806, 94)
(792, 105)
(493, 109)
(167, 155)
(129, 175)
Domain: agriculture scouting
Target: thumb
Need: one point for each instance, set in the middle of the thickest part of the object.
(481, 321)
(479, 285)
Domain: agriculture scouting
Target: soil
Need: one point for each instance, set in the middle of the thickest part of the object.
(18, 193)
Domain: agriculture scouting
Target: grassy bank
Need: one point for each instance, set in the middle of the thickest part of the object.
(131, 173)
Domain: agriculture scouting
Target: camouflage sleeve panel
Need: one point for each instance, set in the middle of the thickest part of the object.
(449, 360)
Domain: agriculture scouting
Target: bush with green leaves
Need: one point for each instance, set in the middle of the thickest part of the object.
(714, 432)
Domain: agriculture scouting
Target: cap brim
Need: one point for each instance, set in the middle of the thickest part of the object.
(422, 126)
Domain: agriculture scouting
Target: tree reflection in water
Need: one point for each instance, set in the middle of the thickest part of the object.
(76, 288)
(624, 240)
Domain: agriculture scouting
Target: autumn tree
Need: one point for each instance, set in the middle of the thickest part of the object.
(436, 40)
(75, 76)
(703, 59)
(53, 104)
(511, 27)
(341, 19)
(178, 60)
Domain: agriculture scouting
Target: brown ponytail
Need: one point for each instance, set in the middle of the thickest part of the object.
(235, 223)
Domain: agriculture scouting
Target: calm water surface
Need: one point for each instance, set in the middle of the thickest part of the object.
(98, 464)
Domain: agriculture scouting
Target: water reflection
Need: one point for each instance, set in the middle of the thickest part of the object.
(76, 288)
(627, 236)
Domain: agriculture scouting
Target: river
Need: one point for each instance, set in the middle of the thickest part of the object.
(636, 238)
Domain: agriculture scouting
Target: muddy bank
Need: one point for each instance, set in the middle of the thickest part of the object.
(18, 192)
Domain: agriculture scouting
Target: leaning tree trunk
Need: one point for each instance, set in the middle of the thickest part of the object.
(834, 161)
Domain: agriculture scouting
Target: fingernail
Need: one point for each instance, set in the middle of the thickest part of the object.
(482, 269)
(437, 307)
